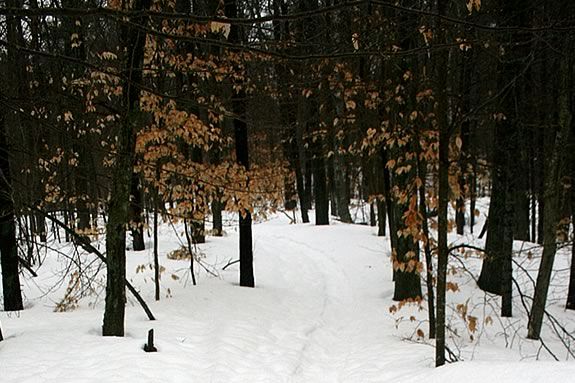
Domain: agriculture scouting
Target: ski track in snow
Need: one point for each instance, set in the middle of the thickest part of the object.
(319, 313)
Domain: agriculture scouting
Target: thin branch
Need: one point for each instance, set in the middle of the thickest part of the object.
(109, 12)
(86, 245)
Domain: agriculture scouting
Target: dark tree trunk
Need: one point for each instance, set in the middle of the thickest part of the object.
(40, 227)
(381, 218)
(341, 191)
(443, 258)
(496, 270)
(320, 185)
(554, 191)
(303, 164)
(332, 181)
(405, 260)
(472, 194)
(541, 138)
(468, 66)
(8, 245)
(521, 208)
(217, 224)
(571, 291)
(460, 210)
(405, 254)
(302, 171)
(571, 150)
(442, 62)
(532, 198)
(121, 178)
(499, 241)
(309, 197)
(242, 157)
(303, 201)
(156, 256)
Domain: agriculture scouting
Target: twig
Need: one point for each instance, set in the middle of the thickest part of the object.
(522, 296)
(452, 357)
(27, 266)
(230, 262)
(86, 245)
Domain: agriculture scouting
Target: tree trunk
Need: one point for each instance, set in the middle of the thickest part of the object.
(242, 157)
(217, 221)
(122, 170)
(496, 269)
(8, 245)
(571, 150)
(156, 256)
(320, 185)
(520, 176)
(442, 61)
(553, 194)
(422, 173)
(571, 291)
(302, 167)
(381, 218)
(389, 205)
(341, 188)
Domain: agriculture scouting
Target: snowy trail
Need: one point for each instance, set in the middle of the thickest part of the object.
(320, 313)
(345, 279)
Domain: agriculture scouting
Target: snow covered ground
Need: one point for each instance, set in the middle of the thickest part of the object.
(321, 312)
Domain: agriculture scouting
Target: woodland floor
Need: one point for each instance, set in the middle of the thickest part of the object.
(320, 313)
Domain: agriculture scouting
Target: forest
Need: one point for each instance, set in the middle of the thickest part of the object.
(445, 127)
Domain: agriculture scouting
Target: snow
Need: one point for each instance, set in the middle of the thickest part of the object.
(320, 313)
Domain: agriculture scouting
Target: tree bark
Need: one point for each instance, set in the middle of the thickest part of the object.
(156, 255)
(320, 184)
(442, 62)
(8, 244)
(422, 173)
(122, 169)
(242, 157)
(381, 218)
(553, 194)
(570, 305)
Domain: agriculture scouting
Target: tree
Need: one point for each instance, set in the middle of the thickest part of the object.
(496, 271)
(570, 305)
(118, 217)
(8, 244)
(443, 193)
(242, 157)
(555, 190)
